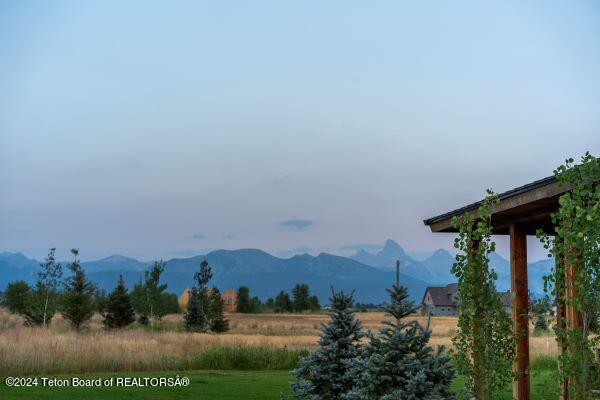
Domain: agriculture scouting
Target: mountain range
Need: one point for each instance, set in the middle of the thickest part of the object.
(369, 274)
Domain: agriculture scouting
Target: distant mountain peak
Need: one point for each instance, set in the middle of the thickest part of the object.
(393, 249)
(7, 254)
(442, 252)
(391, 245)
(116, 258)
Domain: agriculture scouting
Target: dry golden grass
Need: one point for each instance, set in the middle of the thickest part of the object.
(58, 349)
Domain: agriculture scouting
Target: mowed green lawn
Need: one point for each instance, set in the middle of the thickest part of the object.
(223, 385)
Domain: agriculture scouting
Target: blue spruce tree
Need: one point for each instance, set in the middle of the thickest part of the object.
(327, 373)
(398, 363)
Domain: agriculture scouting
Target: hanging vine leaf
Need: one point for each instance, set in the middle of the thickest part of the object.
(575, 280)
(484, 344)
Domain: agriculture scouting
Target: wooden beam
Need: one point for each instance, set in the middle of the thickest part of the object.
(520, 309)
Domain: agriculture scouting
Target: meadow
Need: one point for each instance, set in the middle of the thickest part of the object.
(255, 341)
(253, 358)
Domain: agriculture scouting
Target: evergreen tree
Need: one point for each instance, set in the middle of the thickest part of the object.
(328, 373)
(170, 303)
(398, 363)
(243, 300)
(154, 292)
(139, 302)
(34, 306)
(301, 296)
(119, 311)
(78, 299)
(196, 316)
(256, 306)
(270, 304)
(217, 321)
(100, 300)
(313, 302)
(16, 297)
(283, 302)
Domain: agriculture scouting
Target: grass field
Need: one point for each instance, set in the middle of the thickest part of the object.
(222, 385)
(249, 362)
(58, 349)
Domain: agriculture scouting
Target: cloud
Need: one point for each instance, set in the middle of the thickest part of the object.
(297, 224)
(228, 236)
(283, 179)
(197, 236)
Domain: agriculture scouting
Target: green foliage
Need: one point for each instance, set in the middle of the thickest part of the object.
(328, 372)
(216, 318)
(119, 311)
(195, 319)
(243, 300)
(301, 297)
(256, 306)
(100, 300)
(576, 243)
(148, 296)
(170, 303)
(313, 303)
(34, 306)
(399, 363)
(283, 303)
(540, 308)
(16, 297)
(484, 344)
(78, 299)
(47, 285)
(205, 307)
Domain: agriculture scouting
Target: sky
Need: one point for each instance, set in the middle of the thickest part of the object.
(165, 129)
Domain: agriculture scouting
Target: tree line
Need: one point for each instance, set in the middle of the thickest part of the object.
(299, 301)
(78, 299)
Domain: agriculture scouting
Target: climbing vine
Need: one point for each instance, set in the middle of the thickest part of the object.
(575, 279)
(484, 344)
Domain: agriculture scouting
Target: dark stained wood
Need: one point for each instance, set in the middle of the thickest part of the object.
(520, 309)
(532, 209)
(563, 384)
(476, 323)
(574, 320)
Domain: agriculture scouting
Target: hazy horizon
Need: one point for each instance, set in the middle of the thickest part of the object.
(151, 129)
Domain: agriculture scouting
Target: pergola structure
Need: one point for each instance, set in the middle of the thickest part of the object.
(521, 212)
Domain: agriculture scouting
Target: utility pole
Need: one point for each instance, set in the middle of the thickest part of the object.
(398, 273)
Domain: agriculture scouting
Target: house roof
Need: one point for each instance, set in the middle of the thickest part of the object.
(441, 295)
(530, 205)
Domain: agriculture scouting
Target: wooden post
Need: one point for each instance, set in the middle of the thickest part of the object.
(560, 321)
(574, 320)
(476, 323)
(520, 310)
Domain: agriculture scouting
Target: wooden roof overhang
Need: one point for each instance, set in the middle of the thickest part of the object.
(530, 206)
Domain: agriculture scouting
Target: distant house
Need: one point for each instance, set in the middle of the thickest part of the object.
(229, 298)
(442, 300)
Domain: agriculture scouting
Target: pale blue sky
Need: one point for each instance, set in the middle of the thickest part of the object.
(158, 128)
